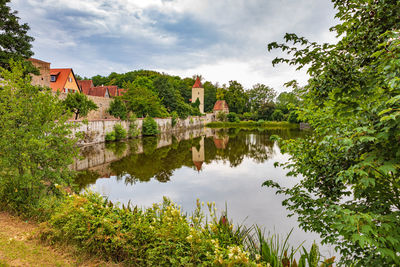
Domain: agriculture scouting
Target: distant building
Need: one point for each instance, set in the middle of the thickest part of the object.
(220, 106)
(198, 93)
(63, 80)
(44, 78)
(85, 86)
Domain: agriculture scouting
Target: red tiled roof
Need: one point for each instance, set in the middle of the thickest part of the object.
(85, 86)
(197, 83)
(198, 164)
(62, 76)
(113, 90)
(98, 91)
(220, 105)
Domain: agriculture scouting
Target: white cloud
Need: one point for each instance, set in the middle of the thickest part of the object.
(223, 40)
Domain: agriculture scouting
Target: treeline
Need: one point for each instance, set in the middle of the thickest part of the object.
(159, 95)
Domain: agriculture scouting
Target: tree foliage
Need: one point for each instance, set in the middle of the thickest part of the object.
(15, 43)
(36, 147)
(79, 104)
(260, 94)
(236, 97)
(350, 191)
(118, 108)
(142, 101)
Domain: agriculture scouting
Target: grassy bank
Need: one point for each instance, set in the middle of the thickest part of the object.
(254, 124)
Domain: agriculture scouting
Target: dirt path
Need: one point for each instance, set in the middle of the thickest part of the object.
(18, 248)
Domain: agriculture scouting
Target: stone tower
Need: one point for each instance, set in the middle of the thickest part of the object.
(198, 93)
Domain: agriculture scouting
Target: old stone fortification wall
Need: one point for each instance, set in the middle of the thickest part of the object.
(94, 131)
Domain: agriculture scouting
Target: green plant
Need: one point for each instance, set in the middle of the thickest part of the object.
(277, 115)
(110, 136)
(232, 117)
(174, 118)
(160, 235)
(36, 144)
(349, 165)
(293, 117)
(118, 109)
(79, 104)
(149, 127)
(133, 127)
(120, 132)
(221, 116)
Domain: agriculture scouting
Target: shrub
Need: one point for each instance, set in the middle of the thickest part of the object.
(221, 116)
(133, 127)
(120, 132)
(293, 117)
(233, 117)
(110, 136)
(174, 118)
(277, 115)
(149, 127)
(162, 235)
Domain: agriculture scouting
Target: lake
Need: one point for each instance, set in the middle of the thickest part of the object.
(226, 166)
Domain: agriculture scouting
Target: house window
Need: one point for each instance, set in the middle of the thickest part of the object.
(66, 90)
(53, 78)
(70, 79)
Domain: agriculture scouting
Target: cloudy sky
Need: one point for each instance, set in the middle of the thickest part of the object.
(219, 39)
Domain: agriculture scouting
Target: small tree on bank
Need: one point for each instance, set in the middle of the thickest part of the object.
(35, 144)
(79, 104)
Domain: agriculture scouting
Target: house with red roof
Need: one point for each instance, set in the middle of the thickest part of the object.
(63, 80)
(85, 86)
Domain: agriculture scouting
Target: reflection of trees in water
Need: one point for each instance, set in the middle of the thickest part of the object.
(231, 146)
(85, 178)
(154, 163)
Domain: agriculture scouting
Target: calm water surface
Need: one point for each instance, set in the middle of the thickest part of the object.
(225, 166)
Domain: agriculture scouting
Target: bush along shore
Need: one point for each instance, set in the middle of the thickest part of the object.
(254, 124)
(165, 236)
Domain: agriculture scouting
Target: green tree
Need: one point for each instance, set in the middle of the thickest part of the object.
(35, 142)
(79, 104)
(259, 95)
(277, 115)
(350, 190)
(210, 96)
(287, 101)
(118, 108)
(236, 97)
(142, 101)
(15, 43)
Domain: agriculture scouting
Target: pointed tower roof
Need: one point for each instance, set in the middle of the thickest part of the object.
(198, 165)
(197, 83)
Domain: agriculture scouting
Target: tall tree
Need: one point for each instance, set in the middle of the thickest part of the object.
(351, 183)
(260, 94)
(236, 97)
(15, 43)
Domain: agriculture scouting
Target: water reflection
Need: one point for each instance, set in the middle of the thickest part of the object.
(140, 160)
(226, 166)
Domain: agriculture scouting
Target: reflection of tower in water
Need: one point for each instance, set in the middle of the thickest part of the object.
(198, 154)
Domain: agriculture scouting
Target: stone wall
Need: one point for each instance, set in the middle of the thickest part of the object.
(94, 131)
(102, 103)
